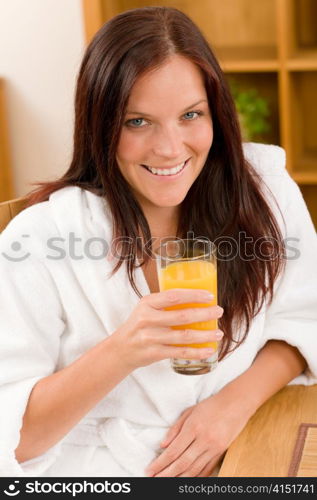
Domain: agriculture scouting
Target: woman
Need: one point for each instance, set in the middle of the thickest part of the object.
(86, 382)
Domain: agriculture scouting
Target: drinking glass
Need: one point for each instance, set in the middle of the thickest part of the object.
(190, 263)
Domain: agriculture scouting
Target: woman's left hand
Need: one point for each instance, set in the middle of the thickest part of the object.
(196, 442)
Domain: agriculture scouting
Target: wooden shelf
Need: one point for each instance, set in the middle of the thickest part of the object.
(247, 59)
(306, 62)
(305, 177)
(269, 45)
(251, 66)
(6, 187)
(256, 56)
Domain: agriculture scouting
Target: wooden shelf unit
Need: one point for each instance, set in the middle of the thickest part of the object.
(269, 45)
(6, 185)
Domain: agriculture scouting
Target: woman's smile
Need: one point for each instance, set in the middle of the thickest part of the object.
(169, 172)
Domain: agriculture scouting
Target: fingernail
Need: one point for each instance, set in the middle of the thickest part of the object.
(207, 295)
(219, 335)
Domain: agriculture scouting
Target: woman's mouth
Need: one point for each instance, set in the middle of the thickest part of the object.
(167, 172)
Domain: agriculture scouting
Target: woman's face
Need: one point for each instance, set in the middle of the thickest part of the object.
(168, 129)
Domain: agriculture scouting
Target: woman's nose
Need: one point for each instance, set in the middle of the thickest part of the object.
(168, 143)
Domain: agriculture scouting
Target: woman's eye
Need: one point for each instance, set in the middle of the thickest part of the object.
(135, 123)
(191, 115)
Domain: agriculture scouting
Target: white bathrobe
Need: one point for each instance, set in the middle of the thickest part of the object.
(56, 301)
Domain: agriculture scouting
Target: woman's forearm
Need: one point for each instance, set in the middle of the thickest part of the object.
(59, 401)
(276, 364)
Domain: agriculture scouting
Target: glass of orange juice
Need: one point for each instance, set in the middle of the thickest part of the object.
(190, 263)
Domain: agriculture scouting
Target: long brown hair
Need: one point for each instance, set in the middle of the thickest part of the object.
(225, 200)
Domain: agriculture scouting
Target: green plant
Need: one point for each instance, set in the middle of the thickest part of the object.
(253, 112)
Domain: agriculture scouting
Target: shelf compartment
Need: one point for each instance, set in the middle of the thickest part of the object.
(305, 24)
(267, 87)
(303, 31)
(310, 196)
(242, 31)
(303, 109)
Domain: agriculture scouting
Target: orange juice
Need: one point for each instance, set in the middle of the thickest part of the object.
(194, 274)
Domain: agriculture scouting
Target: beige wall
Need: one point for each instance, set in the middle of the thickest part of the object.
(41, 46)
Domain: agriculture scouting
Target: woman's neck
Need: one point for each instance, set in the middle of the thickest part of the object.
(163, 222)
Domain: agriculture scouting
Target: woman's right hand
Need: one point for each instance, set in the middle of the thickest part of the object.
(147, 336)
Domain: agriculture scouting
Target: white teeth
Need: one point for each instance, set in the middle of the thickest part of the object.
(170, 171)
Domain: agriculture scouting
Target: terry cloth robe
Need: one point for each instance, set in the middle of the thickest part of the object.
(57, 301)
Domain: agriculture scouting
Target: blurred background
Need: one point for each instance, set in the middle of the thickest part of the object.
(267, 49)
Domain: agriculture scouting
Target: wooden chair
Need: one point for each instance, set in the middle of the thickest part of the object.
(9, 209)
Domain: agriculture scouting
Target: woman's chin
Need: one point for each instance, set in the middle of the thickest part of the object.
(168, 204)
(173, 200)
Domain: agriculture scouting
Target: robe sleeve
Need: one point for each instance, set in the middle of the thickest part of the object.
(31, 325)
(292, 315)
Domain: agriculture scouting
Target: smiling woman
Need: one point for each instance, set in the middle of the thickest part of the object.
(176, 68)
(86, 386)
